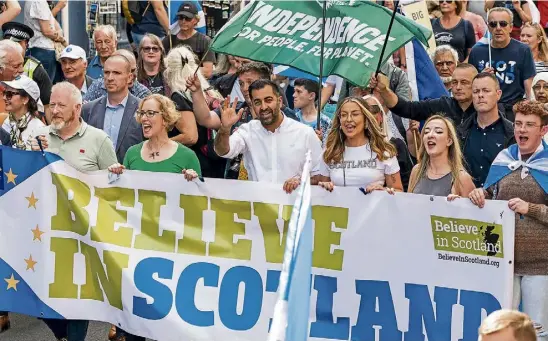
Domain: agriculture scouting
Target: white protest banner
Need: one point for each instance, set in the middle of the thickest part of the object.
(172, 260)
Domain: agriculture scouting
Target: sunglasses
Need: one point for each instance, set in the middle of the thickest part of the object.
(154, 49)
(180, 17)
(148, 113)
(9, 94)
(494, 24)
(446, 1)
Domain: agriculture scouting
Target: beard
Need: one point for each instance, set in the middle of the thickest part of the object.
(274, 114)
(446, 80)
(63, 123)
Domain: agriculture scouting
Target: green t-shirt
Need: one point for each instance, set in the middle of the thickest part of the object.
(184, 158)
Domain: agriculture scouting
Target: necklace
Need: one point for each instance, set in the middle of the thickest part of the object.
(152, 79)
(153, 153)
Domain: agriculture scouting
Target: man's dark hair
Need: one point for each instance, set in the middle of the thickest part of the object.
(261, 84)
(491, 76)
(310, 86)
(260, 68)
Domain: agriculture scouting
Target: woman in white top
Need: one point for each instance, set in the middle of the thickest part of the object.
(21, 96)
(357, 153)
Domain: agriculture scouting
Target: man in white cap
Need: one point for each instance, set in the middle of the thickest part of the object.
(74, 64)
(21, 96)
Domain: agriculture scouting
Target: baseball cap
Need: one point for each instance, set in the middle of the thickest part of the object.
(73, 52)
(22, 82)
(17, 32)
(187, 9)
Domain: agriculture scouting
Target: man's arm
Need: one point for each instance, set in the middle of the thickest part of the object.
(12, 10)
(417, 111)
(107, 155)
(222, 142)
(527, 85)
(327, 92)
(161, 14)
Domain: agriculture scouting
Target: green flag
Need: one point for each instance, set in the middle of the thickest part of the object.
(289, 33)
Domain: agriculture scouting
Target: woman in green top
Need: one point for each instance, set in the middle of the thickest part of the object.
(157, 116)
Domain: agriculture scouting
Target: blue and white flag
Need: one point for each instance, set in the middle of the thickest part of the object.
(174, 7)
(291, 312)
(509, 160)
(485, 39)
(290, 72)
(424, 80)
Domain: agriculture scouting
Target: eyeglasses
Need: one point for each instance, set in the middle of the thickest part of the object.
(9, 94)
(494, 24)
(180, 17)
(346, 117)
(148, 113)
(526, 125)
(154, 49)
(445, 63)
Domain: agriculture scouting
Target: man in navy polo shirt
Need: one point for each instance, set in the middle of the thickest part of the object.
(484, 134)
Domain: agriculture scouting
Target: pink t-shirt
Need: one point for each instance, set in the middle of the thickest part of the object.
(479, 24)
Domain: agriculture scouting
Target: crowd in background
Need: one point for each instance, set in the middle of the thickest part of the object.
(172, 105)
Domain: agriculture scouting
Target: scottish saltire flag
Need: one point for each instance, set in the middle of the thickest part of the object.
(174, 6)
(424, 80)
(291, 312)
(508, 161)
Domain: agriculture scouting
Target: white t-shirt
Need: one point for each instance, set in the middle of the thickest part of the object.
(28, 133)
(35, 11)
(361, 168)
(338, 82)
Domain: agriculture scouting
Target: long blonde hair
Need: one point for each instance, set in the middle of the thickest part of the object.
(334, 147)
(181, 64)
(541, 36)
(455, 158)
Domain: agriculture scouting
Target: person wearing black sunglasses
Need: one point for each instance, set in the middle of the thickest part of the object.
(151, 65)
(510, 60)
(521, 13)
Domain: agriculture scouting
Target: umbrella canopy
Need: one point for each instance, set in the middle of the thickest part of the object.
(290, 32)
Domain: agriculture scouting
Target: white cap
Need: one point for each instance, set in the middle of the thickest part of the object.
(73, 52)
(22, 82)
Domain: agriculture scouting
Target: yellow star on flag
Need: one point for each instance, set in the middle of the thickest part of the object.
(11, 177)
(12, 283)
(30, 263)
(37, 234)
(32, 200)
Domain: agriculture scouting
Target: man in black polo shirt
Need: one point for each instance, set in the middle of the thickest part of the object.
(187, 18)
(458, 108)
(486, 132)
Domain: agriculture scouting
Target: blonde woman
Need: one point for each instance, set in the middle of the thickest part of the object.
(357, 153)
(440, 170)
(534, 36)
(181, 65)
(151, 65)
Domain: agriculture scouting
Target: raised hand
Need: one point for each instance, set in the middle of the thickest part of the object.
(193, 83)
(229, 117)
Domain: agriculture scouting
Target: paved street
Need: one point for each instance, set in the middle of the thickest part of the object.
(25, 328)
